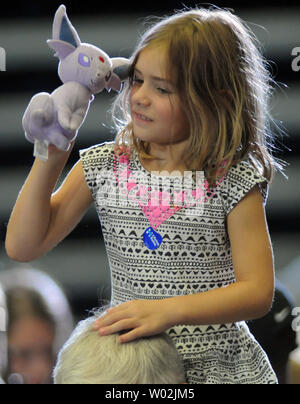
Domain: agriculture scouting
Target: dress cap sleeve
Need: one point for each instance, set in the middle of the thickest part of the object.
(240, 179)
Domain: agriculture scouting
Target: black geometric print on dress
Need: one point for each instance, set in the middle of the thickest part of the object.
(195, 257)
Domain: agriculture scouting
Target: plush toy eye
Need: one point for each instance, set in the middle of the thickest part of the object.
(101, 59)
(84, 60)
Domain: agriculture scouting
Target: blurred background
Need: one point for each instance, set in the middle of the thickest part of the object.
(79, 264)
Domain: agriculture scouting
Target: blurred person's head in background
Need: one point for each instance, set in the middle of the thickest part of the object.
(89, 358)
(39, 322)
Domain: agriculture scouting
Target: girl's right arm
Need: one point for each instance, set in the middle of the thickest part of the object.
(40, 218)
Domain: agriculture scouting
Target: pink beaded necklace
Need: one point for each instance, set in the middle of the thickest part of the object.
(157, 208)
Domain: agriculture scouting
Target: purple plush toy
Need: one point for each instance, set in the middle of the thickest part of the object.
(85, 70)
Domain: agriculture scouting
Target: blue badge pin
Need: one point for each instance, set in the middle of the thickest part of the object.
(152, 239)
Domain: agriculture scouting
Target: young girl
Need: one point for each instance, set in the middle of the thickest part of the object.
(196, 101)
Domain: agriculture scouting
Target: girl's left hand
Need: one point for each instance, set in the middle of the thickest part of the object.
(140, 317)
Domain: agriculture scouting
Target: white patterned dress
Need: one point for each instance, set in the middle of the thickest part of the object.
(194, 257)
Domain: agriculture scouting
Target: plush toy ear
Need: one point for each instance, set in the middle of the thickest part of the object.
(120, 73)
(64, 36)
(62, 49)
(120, 67)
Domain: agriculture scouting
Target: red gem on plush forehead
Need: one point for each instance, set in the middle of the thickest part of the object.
(101, 59)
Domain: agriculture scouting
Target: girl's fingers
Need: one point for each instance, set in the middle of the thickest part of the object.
(108, 319)
(121, 325)
(130, 336)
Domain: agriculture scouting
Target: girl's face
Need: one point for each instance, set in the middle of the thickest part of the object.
(155, 107)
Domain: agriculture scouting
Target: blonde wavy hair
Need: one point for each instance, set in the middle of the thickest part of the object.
(224, 86)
